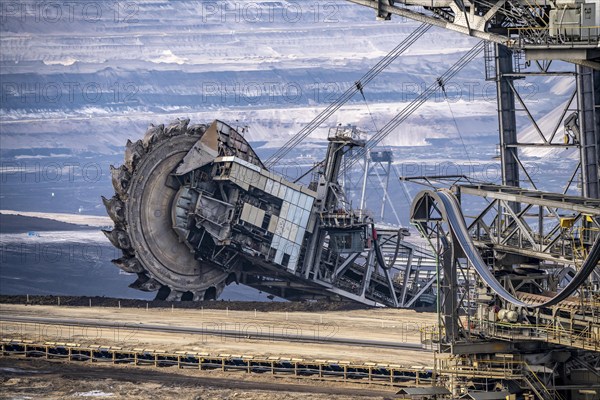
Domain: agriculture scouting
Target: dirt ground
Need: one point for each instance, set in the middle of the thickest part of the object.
(126, 330)
(81, 301)
(22, 378)
(41, 379)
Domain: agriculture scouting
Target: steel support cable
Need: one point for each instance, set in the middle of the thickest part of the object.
(386, 195)
(455, 123)
(458, 227)
(407, 111)
(347, 95)
(409, 198)
(416, 103)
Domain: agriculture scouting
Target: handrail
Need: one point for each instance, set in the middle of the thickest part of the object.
(549, 333)
(542, 36)
(544, 387)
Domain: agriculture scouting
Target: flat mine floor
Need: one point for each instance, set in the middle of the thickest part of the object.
(384, 325)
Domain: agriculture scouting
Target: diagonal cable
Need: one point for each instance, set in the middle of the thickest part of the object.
(416, 103)
(347, 95)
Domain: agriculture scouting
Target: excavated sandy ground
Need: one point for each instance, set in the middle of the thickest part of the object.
(390, 325)
(34, 378)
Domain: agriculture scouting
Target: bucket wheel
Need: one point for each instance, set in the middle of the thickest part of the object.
(145, 191)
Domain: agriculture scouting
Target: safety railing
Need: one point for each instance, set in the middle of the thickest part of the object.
(501, 366)
(587, 337)
(537, 385)
(563, 35)
(431, 336)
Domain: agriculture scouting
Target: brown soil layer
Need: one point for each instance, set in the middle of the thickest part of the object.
(31, 378)
(22, 224)
(80, 301)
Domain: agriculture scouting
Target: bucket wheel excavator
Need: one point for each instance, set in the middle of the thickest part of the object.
(195, 209)
(150, 188)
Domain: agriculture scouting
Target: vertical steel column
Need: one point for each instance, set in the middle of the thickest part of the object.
(385, 189)
(363, 205)
(449, 293)
(506, 116)
(588, 99)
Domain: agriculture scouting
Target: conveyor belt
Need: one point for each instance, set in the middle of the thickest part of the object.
(373, 372)
(459, 230)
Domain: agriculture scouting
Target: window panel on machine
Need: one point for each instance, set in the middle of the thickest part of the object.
(285, 215)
